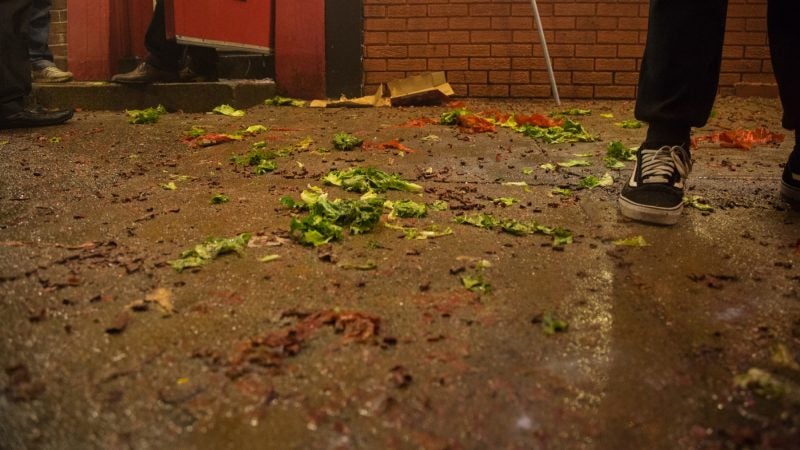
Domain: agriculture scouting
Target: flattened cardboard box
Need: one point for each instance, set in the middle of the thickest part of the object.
(429, 88)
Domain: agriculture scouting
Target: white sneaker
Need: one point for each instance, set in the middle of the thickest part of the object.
(50, 74)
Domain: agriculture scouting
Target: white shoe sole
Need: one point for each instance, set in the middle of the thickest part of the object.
(650, 214)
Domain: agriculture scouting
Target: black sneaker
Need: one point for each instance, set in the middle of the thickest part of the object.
(790, 181)
(654, 193)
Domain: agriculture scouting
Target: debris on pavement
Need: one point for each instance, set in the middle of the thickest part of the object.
(346, 141)
(633, 241)
(744, 139)
(228, 110)
(145, 116)
(368, 179)
(202, 254)
(697, 202)
(629, 124)
(285, 101)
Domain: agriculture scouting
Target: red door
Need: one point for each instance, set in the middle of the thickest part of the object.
(244, 25)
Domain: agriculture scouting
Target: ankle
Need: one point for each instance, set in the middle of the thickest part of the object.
(660, 134)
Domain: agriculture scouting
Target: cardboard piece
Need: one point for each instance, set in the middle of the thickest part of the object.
(429, 88)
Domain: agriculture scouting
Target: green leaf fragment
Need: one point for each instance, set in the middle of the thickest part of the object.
(607, 115)
(592, 181)
(552, 325)
(369, 265)
(575, 163)
(228, 110)
(561, 236)
(326, 218)
(203, 253)
(219, 199)
(548, 167)
(515, 183)
(406, 209)
(451, 117)
(476, 283)
(569, 132)
(576, 112)
(505, 201)
(562, 191)
(368, 179)
(527, 170)
(169, 186)
(255, 129)
(629, 124)
(612, 163)
(195, 132)
(346, 141)
(269, 258)
(766, 384)
(284, 101)
(143, 116)
(265, 166)
(438, 205)
(633, 241)
(698, 202)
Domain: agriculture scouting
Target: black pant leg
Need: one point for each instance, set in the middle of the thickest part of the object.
(163, 53)
(15, 72)
(679, 76)
(783, 19)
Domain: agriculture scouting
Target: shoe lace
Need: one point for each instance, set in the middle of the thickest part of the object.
(660, 166)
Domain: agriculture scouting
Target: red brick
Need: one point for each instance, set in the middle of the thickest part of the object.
(741, 65)
(490, 37)
(574, 9)
(489, 63)
(375, 37)
(407, 64)
(428, 51)
(756, 52)
(630, 51)
(632, 23)
(732, 51)
(470, 23)
(758, 78)
(746, 38)
(428, 23)
(592, 77)
(448, 37)
(596, 23)
(492, 90)
(617, 37)
(374, 65)
(384, 24)
(407, 37)
(617, 9)
(607, 51)
(559, 23)
(374, 11)
(575, 91)
(448, 64)
(756, 24)
(406, 10)
(470, 50)
(542, 77)
(382, 77)
(387, 51)
(729, 79)
(576, 37)
(512, 23)
(490, 9)
(573, 63)
(531, 91)
(615, 64)
(511, 49)
(448, 10)
(626, 78)
(467, 76)
(509, 76)
(614, 91)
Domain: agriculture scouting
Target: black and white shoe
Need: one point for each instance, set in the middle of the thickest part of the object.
(654, 193)
(790, 181)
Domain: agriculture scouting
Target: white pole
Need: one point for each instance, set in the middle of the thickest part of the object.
(546, 53)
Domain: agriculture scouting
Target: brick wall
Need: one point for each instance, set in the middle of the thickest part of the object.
(58, 32)
(489, 48)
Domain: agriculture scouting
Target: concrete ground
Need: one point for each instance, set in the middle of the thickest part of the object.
(103, 345)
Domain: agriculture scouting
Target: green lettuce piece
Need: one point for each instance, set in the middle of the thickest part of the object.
(429, 232)
(203, 253)
(255, 129)
(619, 151)
(527, 170)
(169, 186)
(451, 117)
(552, 325)
(613, 163)
(562, 191)
(406, 209)
(592, 181)
(486, 221)
(575, 163)
(368, 179)
(505, 201)
(346, 141)
(228, 110)
(142, 116)
(438, 205)
(766, 384)
(698, 202)
(265, 166)
(284, 101)
(369, 265)
(633, 241)
(195, 132)
(607, 115)
(476, 283)
(269, 258)
(548, 167)
(629, 124)
(576, 112)
(219, 199)
(326, 218)
(515, 183)
(569, 132)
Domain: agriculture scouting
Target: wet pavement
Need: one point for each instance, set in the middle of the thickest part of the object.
(104, 345)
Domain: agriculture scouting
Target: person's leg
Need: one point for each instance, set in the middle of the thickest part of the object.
(15, 75)
(163, 55)
(201, 64)
(678, 82)
(784, 44)
(43, 68)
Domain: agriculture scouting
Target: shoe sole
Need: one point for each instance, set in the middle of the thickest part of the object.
(650, 214)
(52, 80)
(790, 192)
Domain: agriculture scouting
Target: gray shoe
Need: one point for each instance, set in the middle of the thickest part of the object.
(50, 74)
(144, 74)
